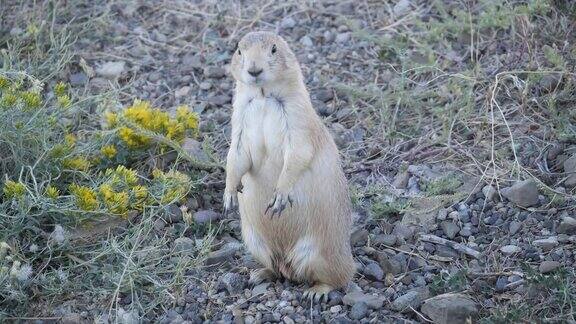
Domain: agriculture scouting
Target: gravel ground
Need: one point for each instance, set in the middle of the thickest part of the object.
(466, 252)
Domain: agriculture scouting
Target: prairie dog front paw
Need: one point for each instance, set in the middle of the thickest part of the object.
(230, 200)
(278, 203)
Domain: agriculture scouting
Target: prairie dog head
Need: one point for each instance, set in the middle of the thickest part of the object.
(264, 59)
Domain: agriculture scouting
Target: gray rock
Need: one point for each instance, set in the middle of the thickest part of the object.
(79, 78)
(206, 216)
(192, 61)
(546, 244)
(154, 76)
(328, 36)
(111, 70)
(359, 311)
(359, 237)
(205, 85)
(159, 224)
(567, 226)
(403, 231)
(489, 192)
(352, 298)
(570, 168)
(288, 23)
(324, 95)
(183, 244)
(442, 214)
(194, 149)
(182, 92)
(401, 180)
(219, 100)
(514, 227)
(402, 7)
(374, 272)
(233, 282)
(510, 249)
(306, 41)
(388, 265)
(343, 38)
(385, 239)
(501, 283)
(523, 193)
(548, 266)
(450, 308)
(412, 298)
(446, 251)
(173, 213)
(260, 289)
(450, 229)
(214, 72)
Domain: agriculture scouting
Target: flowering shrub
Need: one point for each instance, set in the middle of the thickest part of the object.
(143, 116)
(60, 172)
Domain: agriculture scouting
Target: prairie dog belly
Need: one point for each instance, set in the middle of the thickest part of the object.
(264, 134)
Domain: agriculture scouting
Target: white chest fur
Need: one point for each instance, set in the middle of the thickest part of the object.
(261, 127)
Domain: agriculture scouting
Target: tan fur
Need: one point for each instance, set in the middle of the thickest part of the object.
(280, 153)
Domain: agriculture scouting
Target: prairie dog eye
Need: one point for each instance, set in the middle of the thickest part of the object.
(273, 48)
(239, 53)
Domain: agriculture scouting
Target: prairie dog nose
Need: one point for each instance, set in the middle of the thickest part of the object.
(254, 72)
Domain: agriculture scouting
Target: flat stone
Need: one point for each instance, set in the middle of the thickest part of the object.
(413, 298)
(233, 282)
(374, 302)
(548, 266)
(214, 72)
(510, 249)
(450, 309)
(514, 227)
(523, 193)
(546, 244)
(570, 168)
(358, 311)
(450, 229)
(260, 289)
(111, 70)
(567, 226)
(374, 272)
(206, 216)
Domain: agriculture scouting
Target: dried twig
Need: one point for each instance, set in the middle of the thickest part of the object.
(456, 246)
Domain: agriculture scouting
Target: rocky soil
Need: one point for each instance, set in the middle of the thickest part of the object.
(469, 251)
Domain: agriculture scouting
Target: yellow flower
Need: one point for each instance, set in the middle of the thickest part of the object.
(31, 99)
(14, 189)
(189, 119)
(64, 101)
(109, 151)
(4, 82)
(60, 89)
(123, 175)
(175, 131)
(119, 203)
(52, 192)
(77, 163)
(106, 191)
(85, 197)
(116, 202)
(111, 119)
(140, 196)
(70, 140)
(176, 185)
(8, 100)
(132, 139)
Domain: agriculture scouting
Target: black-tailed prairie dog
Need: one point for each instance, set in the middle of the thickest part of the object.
(294, 204)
